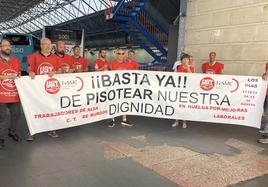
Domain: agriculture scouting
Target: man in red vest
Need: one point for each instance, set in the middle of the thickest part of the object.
(131, 59)
(80, 64)
(122, 62)
(44, 63)
(213, 66)
(10, 69)
(66, 61)
(101, 64)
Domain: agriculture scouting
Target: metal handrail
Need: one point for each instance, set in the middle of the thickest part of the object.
(143, 19)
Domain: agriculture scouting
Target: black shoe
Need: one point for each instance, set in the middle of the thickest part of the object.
(15, 137)
(2, 143)
(265, 136)
(111, 123)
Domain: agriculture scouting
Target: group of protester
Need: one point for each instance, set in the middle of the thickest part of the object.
(215, 67)
(185, 65)
(44, 62)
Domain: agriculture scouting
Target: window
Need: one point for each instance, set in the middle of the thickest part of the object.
(17, 39)
(36, 44)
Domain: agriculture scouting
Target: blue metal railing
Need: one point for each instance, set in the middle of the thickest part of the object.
(118, 6)
(130, 16)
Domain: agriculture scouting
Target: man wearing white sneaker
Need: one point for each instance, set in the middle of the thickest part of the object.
(123, 62)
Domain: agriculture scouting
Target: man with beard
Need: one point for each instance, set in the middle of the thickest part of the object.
(80, 64)
(10, 69)
(66, 61)
(132, 61)
(43, 63)
(101, 64)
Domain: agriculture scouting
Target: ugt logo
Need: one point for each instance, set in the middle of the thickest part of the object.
(52, 86)
(207, 83)
(9, 84)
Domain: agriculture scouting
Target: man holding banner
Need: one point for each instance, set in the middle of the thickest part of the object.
(122, 63)
(9, 99)
(43, 63)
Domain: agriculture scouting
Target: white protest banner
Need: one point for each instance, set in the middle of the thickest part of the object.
(69, 100)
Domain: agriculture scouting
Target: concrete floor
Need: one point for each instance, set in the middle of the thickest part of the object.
(77, 159)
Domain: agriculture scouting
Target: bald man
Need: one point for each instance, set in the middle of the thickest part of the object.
(43, 62)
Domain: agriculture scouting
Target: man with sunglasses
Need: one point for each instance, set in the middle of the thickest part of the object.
(121, 62)
(10, 69)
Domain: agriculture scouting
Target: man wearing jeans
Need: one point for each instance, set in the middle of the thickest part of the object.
(264, 130)
(9, 99)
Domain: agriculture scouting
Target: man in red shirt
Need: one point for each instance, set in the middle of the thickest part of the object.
(9, 99)
(264, 130)
(122, 63)
(43, 63)
(131, 59)
(213, 66)
(66, 61)
(80, 64)
(101, 64)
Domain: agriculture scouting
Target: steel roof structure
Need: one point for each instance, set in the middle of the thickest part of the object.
(28, 16)
(11, 9)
